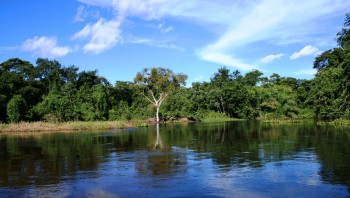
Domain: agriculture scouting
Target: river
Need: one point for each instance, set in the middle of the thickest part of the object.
(227, 159)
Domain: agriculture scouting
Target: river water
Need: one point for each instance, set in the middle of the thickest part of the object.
(227, 159)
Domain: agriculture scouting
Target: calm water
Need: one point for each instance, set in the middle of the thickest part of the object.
(232, 159)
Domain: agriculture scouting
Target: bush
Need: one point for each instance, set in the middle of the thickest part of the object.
(16, 108)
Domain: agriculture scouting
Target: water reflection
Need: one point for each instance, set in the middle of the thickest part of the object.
(160, 159)
(243, 158)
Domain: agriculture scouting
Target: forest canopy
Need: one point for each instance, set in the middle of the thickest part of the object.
(53, 92)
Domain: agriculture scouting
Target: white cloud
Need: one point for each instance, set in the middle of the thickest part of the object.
(45, 47)
(164, 29)
(237, 24)
(155, 43)
(102, 35)
(225, 60)
(168, 29)
(272, 57)
(308, 72)
(81, 14)
(272, 21)
(306, 51)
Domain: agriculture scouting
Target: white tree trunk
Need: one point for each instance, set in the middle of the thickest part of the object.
(157, 103)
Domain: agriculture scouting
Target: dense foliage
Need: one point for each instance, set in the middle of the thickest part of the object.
(52, 92)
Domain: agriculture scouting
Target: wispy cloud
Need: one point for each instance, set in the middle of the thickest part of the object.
(164, 29)
(196, 10)
(272, 57)
(271, 21)
(81, 14)
(102, 35)
(225, 60)
(306, 51)
(240, 24)
(45, 47)
(308, 72)
(154, 43)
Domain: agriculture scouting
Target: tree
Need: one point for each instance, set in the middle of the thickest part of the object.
(327, 94)
(330, 93)
(16, 108)
(344, 35)
(274, 78)
(252, 78)
(157, 84)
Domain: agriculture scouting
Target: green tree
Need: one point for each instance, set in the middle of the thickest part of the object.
(16, 108)
(157, 84)
(253, 77)
(54, 107)
(277, 101)
(331, 85)
(344, 35)
(327, 94)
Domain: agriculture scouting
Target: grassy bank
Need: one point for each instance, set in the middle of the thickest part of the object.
(69, 126)
(284, 121)
(219, 119)
(338, 122)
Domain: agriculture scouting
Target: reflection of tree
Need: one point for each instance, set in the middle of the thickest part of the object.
(158, 143)
(47, 158)
(160, 159)
(333, 151)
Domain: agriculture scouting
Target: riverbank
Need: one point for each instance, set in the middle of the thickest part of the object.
(106, 125)
(338, 122)
(86, 126)
(69, 126)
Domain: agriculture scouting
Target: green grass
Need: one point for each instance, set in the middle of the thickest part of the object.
(211, 119)
(69, 126)
(338, 122)
(283, 121)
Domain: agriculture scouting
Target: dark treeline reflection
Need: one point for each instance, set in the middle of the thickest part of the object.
(55, 157)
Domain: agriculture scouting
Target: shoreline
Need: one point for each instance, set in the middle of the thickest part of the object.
(71, 126)
(29, 127)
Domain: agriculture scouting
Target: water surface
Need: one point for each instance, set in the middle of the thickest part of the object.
(230, 159)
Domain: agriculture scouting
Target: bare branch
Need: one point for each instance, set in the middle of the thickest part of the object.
(154, 98)
(148, 99)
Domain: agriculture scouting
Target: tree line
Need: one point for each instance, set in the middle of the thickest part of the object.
(52, 92)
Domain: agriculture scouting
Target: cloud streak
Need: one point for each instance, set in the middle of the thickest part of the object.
(307, 72)
(272, 57)
(271, 21)
(239, 24)
(45, 46)
(225, 60)
(306, 51)
(155, 43)
(81, 14)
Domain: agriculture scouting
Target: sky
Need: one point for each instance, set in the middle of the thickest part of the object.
(195, 37)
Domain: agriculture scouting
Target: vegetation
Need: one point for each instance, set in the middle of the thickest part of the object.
(69, 126)
(51, 92)
(157, 84)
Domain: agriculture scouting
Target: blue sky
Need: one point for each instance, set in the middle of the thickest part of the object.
(195, 37)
